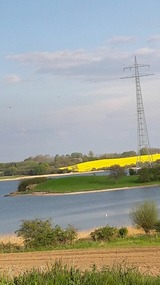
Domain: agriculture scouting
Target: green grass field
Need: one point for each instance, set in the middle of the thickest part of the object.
(86, 183)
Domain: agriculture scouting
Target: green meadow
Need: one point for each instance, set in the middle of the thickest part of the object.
(86, 183)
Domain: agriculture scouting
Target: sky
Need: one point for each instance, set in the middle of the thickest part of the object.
(61, 63)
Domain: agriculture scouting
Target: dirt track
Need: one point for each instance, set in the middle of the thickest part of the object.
(147, 260)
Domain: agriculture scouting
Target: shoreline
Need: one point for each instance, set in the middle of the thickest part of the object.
(34, 176)
(80, 192)
(48, 175)
(16, 193)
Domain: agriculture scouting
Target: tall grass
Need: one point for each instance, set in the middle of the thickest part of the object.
(11, 238)
(62, 275)
(11, 243)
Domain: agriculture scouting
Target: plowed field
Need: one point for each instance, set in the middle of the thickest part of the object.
(147, 260)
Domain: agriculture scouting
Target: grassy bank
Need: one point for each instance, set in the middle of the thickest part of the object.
(132, 242)
(135, 238)
(86, 183)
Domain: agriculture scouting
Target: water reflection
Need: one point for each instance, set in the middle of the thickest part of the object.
(84, 211)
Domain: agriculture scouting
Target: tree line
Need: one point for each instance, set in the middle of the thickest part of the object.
(45, 164)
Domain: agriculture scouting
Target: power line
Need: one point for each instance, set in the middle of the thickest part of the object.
(142, 132)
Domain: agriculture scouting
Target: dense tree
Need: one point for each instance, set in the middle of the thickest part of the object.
(10, 171)
(78, 155)
(91, 154)
(41, 168)
(36, 165)
(147, 174)
(129, 153)
(116, 172)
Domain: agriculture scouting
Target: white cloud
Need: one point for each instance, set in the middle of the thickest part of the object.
(147, 51)
(104, 63)
(60, 59)
(154, 38)
(121, 40)
(99, 63)
(12, 79)
(101, 104)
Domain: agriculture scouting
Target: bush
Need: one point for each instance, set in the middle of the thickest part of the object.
(149, 174)
(157, 226)
(38, 233)
(24, 184)
(104, 234)
(122, 232)
(145, 215)
(70, 234)
(61, 236)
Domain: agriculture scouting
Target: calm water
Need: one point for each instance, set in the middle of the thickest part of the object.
(83, 211)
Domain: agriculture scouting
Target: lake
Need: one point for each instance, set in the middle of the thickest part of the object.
(84, 211)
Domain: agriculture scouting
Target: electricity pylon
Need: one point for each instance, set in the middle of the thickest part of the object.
(142, 132)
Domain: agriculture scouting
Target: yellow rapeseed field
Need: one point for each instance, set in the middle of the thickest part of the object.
(99, 164)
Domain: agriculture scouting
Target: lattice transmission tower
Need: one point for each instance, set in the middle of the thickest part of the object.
(142, 132)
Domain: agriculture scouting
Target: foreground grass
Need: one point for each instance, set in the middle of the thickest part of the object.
(62, 275)
(86, 183)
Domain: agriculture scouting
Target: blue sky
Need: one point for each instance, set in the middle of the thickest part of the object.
(60, 69)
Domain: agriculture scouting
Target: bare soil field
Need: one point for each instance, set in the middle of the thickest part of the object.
(146, 260)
